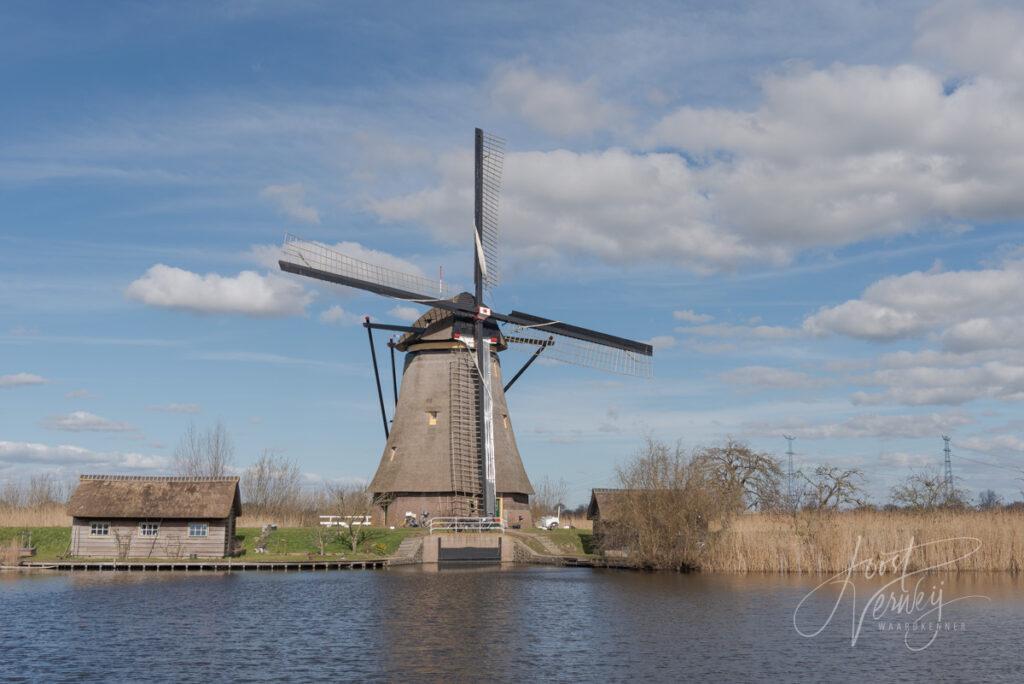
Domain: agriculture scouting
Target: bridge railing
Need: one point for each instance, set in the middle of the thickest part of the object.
(461, 524)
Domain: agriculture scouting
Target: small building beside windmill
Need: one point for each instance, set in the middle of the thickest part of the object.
(128, 516)
(605, 509)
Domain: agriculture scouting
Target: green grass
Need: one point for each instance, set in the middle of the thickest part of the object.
(570, 542)
(288, 543)
(50, 542)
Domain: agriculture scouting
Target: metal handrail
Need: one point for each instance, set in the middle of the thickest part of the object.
(462, 524)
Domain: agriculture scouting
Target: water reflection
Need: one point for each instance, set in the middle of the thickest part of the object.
(503, 624)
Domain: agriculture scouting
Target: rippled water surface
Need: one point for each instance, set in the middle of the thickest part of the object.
(525, 624)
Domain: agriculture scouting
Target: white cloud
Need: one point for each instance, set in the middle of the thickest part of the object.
(662, 341)
(979, 307)
(338, 316)
(994, 444)
(248, 293)
(689, 316)
(21, 379)
(551, 104)
(614, 205)
(291, 201)
(974, 37)
(20, 453)
(175, 408)
(874, 425)
(83, 421)
(942, 384)
(766, 377)
(406, 313)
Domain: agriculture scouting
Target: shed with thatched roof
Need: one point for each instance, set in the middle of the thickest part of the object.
(127, 516)
(605, 508)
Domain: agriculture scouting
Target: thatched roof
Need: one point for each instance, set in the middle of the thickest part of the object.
(132, 496)
(604, 503)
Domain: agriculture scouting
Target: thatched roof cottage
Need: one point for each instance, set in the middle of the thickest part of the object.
(129, 516)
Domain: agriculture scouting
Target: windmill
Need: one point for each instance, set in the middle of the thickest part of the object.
(452, 374)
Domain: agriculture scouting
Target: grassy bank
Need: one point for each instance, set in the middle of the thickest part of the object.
(818, 542)
(286, 543)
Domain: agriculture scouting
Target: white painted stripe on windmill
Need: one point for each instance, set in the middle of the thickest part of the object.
(480, 254)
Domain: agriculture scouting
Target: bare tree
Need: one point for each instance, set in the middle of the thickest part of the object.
(671, 509)
(548, 494)
(989, 500)
(754, 476)
(273, 484)
(832, 487)
(204, 454)
(354, 506)
(925, 490)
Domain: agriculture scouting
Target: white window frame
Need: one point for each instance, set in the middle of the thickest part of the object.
(93, 524)
(142, 529)
(206, 530)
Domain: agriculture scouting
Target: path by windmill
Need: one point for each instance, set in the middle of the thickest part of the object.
(451, 450)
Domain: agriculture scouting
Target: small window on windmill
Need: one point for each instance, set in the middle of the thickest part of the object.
(504, 420)
(391, 454)
(431, 417)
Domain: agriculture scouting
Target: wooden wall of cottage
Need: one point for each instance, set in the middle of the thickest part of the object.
(124, 539)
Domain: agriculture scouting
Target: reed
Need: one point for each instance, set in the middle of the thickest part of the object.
(820, 542)
(41, 515)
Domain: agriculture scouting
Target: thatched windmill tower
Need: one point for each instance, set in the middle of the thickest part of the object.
(450, 450)
(431, 461)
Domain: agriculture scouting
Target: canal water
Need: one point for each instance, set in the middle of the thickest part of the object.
(519, 624)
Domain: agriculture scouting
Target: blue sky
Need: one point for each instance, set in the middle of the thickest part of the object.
(812, 210)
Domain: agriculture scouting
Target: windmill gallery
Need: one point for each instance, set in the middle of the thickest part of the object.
(451, 450)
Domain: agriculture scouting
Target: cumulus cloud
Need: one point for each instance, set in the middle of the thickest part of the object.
(689, 316)
(994, 444)
(248, 293)
(21, 379)
(944, 384)
(83, 421)
(20, 453)
(826, 157)
(874, 425)
(291, 201)
(175, 408)
(336, 315)
(552, 104)
(766, 377)
(977, 308)
(618, 206)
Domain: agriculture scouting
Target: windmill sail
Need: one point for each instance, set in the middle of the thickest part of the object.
(491, 164)
(316, 260)
(579, 352)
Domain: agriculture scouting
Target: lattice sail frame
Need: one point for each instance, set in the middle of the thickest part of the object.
(323, 258)
(493, 164)
(579, 352)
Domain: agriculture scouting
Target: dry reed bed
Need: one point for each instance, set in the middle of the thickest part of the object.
(45, 515)
(825, 543)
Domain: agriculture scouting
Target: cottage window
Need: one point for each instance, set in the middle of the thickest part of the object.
(149, 529)
(99, 529)
(197, 529)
